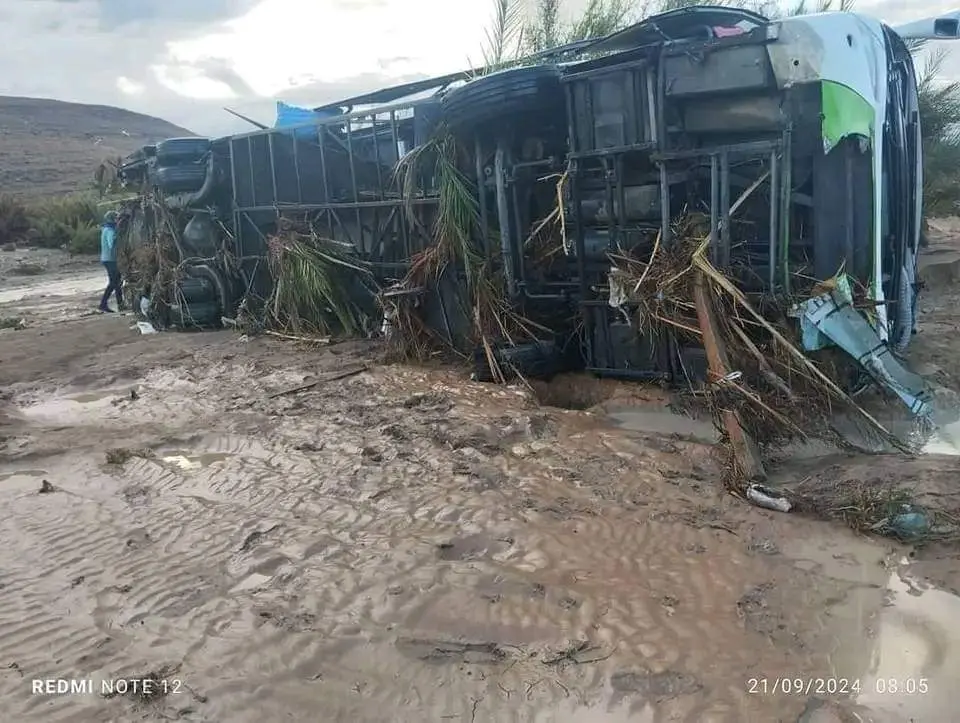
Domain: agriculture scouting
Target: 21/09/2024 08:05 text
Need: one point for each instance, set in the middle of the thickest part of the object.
(836, 686)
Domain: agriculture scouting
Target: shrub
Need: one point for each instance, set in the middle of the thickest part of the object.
(67, 221)
(939, 122)
(14, 222)
(85, 240)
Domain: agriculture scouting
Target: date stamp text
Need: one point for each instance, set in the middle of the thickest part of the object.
(836, 686)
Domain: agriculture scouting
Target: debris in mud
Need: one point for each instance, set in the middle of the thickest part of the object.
(749, 356)
(764, 546)
(471, 547)
(818, 710)
(754, 600)
(24, 268)
(451, 651)
(296, 622)
(669, 604)
(120, 456)
(579, 652)
(535, 426)
(877, 506)
(371, 454)
(483, 441)
(138, 538)
(78, 580)
(12, 322)
(16, 668)
(136, 495)
(46, 488)
(665, 685)
(395, 431)
(568, 603)
(767, 498)
(316, 382)
(255, 537)
(483, 477)
(309, 447)
(428, 402)
(760, 616)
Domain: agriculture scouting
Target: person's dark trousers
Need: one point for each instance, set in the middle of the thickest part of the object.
(114, 286)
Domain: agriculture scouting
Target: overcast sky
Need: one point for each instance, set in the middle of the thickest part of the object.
(183, 60)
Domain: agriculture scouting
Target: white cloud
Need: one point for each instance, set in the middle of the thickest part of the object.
(130, 87)
(184, 59)
(191, 82)
(282, 43)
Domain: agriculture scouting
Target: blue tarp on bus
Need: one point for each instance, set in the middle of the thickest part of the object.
(291, 115)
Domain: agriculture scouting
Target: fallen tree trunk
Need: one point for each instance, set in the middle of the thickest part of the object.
(745, 452)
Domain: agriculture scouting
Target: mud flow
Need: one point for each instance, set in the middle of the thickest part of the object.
(403, 545)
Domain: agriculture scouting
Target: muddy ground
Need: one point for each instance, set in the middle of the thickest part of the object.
(399, 544)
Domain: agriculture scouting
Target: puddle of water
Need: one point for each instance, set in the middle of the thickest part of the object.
(22, 479)
(62, 287)
(662, 421)
(91, 397)
(195, 461)
(23, 473)
(945, 441)
(897, 639)
(61, 408)
(915, 660)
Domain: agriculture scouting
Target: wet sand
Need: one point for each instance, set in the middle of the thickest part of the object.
(404, 545)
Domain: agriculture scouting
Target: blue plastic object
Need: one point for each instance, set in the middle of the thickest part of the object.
(290, 115)
(910, 524)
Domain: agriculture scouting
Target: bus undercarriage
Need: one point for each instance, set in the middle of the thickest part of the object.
(792, 147)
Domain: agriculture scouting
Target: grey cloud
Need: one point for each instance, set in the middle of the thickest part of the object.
(119, 13)
(308, 96)
(76, 49)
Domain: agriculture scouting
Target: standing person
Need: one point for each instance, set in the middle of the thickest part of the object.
(108, 257)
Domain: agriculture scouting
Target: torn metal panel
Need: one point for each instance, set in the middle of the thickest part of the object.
(832, 316)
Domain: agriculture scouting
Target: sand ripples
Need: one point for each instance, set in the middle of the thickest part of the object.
(363, 555)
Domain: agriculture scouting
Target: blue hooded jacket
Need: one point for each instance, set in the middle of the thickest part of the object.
(108, 243)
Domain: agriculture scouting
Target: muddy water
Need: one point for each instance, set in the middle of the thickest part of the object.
(946, 440)
(661, 421)
(402, 547)
(896, 642)
(85, 282)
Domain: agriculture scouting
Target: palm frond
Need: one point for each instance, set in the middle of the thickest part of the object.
(543, 32)
(413, 169)
(599, 18)
(458, 210)
(505, 37)
(316, 281)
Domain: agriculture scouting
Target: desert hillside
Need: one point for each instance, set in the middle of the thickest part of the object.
(49, 147)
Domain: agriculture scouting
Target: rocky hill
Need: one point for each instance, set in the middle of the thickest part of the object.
(48, 147)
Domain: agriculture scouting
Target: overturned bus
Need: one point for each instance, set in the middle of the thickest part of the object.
(795, 143)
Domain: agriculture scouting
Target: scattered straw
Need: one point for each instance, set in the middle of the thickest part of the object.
(782, 393)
